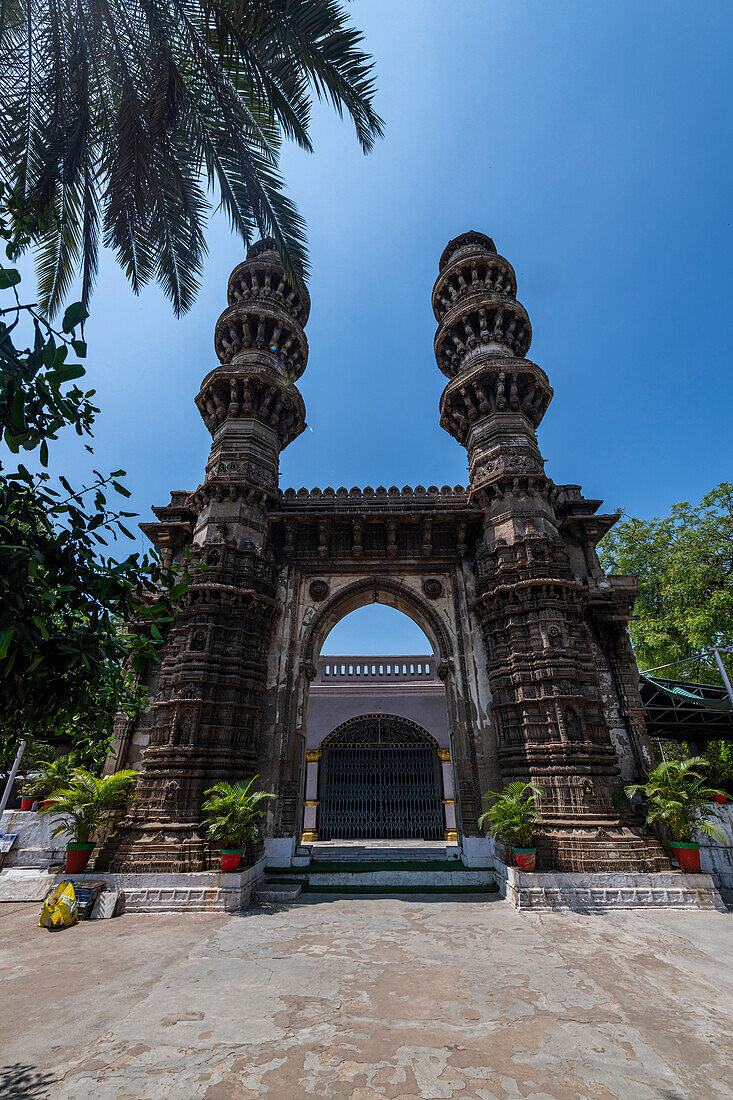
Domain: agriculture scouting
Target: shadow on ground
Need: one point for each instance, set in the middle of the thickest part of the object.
(22, 1081)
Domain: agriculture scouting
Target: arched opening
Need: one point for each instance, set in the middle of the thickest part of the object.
(380, 780)
(379, 764)
(376, 630)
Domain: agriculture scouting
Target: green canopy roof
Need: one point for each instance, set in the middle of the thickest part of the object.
(682, 711)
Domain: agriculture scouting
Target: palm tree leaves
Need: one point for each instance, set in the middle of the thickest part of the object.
(677, 795)
(232, 812)
(112, 113)
(89, 803)
(514, 813)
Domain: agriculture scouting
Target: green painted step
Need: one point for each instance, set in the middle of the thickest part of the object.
(336, 889)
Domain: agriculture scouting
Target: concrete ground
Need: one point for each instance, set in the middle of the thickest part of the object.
(369, 997)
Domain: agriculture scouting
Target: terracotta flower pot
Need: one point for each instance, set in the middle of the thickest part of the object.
(77, 857)
(525, 858)
(230, 858)
(26, 803)
(687, 854)
(720, 798)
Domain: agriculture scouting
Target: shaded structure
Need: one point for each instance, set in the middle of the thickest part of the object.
(680, 710)
(528, 634)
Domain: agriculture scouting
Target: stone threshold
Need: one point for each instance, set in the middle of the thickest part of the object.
(604, 891)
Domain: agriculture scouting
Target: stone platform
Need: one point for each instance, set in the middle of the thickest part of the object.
(600, 892)
(193, 892)
(204, 891)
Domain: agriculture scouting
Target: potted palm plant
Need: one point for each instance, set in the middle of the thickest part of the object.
(513, 817)
(50, 776)
(676, 796)
(232, 817)
(85, 806)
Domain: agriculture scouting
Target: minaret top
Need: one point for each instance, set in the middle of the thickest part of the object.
(475, 305)
(471, 242)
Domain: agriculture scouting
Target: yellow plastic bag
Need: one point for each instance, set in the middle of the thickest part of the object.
(60, 909)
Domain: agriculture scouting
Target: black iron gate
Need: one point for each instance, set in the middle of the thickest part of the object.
(380, 782)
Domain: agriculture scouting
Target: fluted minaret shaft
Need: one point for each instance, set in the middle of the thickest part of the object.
(211, 686)
(543, 672)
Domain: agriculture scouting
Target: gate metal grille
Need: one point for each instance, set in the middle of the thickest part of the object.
(380, 782)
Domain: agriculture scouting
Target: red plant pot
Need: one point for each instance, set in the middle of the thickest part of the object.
(230, 858)
(26, 803)
(77, 857)
(525, 858)
(720, 798)
(48, 801)
(687, 855)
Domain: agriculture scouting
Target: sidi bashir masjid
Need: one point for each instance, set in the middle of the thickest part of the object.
(531, 675)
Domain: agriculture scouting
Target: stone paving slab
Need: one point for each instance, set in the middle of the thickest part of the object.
(371, 997)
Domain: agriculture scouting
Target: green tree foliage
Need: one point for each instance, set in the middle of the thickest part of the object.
(684, 562)
(66, 662)
(120, 117)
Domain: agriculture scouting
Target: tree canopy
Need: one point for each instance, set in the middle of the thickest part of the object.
(684, 562)
(77, 626)
(120, 117)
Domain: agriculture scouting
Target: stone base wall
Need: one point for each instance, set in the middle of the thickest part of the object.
(602, 892)
(194, 892)
(717, 859)
(35, 847)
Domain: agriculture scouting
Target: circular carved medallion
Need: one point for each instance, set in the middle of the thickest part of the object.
(318, 590)
(432, 588)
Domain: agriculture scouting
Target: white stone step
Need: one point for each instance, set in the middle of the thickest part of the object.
(390, 878)
(379, 851)
(276, 891)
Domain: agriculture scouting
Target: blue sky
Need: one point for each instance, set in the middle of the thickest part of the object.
(593, 142)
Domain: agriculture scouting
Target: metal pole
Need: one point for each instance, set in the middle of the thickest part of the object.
(11, 777)
(724, 674)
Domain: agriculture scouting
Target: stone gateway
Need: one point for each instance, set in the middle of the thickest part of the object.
(530, 649)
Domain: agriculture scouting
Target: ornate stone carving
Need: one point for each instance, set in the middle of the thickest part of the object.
(318, 589)
(508, 541)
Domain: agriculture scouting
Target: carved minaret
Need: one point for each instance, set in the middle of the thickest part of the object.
(209, 699)
(534, 609)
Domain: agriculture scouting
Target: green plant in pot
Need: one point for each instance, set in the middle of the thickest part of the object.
(85, 807)
(233, 814)
(676, 795)
(513, 817)
(50, 776)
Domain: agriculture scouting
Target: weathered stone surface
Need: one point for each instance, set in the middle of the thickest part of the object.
(528, 635)
(380, 997)
(603, 891)
(35, 846)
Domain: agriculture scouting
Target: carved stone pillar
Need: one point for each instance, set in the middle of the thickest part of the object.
(449, 797)
(310, 812)
(531, 605)
(210, 696)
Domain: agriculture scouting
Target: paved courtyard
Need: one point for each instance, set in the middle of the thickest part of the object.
(369, 997)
